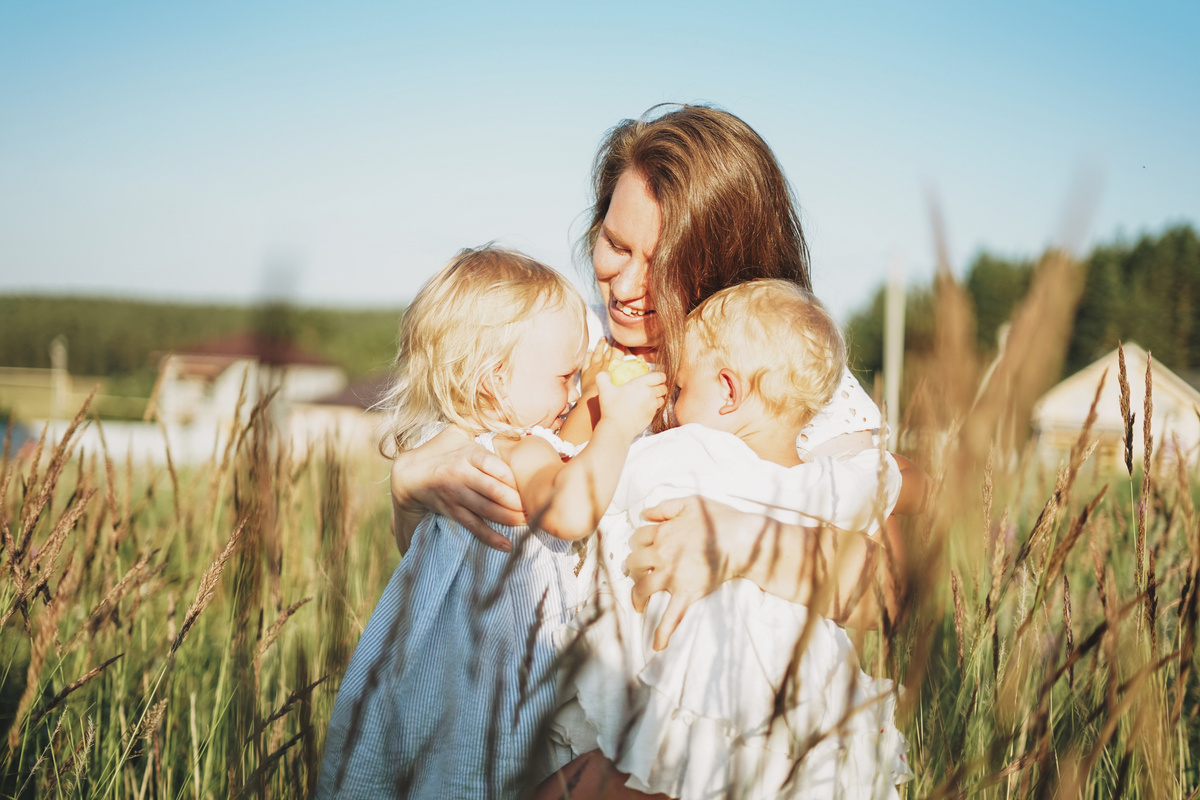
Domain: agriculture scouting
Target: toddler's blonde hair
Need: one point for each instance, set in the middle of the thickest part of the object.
(777, 337)
(461, 328)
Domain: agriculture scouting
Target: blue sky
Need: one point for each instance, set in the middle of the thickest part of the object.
(212, 151)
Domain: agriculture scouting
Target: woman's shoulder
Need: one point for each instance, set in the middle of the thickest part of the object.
(850, 410)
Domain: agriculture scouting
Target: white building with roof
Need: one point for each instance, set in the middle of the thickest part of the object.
(349, 419)
(1175, 420)
(200, 385)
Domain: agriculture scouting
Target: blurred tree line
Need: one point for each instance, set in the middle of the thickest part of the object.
(1147, 292)
(122, 339)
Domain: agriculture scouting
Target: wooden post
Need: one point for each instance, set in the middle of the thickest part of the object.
(893, 348)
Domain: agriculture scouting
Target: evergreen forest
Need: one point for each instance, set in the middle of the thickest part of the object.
(1146, 291)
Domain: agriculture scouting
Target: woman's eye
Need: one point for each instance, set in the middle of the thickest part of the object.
(615, 247)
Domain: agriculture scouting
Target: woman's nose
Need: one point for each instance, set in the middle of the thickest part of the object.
(631, 282)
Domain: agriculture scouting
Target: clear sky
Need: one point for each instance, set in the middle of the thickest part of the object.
(210, 150)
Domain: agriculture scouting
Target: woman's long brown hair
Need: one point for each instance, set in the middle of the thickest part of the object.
(728, 215)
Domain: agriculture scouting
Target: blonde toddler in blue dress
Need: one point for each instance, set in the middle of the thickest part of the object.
(451, 687)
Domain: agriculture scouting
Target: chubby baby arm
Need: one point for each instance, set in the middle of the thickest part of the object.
(581, 421)
(567, 500)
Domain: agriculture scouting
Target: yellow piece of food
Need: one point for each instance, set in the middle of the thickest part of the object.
(627, 369)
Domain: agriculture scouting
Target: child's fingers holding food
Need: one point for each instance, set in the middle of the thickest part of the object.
(649, 392)
(635, 403)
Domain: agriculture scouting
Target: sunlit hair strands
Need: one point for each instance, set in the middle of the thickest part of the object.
(459, 331)
(728, 214)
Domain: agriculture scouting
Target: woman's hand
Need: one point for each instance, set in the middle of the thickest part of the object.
(684, 552)
(455, 477)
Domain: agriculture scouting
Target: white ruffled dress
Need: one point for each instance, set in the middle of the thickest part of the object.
(698, 720)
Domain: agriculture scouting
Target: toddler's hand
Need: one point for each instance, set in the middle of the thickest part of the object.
(634, 404)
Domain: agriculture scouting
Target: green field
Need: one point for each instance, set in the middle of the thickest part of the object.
(181, 634)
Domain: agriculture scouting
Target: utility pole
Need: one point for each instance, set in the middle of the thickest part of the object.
(893, 347)
(60, 381)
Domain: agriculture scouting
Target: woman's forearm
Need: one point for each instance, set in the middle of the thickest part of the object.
(829, 570)
(690, 546)
(404, 525)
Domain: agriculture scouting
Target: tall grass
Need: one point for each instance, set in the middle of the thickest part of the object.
(180, 633)
(1049, 640)
(171, 633)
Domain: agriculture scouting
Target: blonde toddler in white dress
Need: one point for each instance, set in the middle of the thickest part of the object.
(733, 707)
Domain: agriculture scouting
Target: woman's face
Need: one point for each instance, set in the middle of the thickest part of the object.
(621, 259)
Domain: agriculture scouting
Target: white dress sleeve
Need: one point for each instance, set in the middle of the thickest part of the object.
(850, 411)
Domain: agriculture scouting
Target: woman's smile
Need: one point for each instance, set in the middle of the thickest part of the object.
(626, 311)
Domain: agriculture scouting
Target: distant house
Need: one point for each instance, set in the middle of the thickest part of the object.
(347, 418)
(199, 385)
(1175, 423)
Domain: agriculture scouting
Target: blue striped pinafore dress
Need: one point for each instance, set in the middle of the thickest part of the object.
(452, 685)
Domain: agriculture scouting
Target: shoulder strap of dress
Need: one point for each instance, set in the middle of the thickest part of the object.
(487, 440)
(561, 447)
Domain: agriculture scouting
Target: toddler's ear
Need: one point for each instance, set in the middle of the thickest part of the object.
(732, 390)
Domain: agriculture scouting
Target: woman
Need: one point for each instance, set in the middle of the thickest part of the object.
(685, 204)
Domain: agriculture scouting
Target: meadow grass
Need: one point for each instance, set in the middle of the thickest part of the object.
(170, 633)
(181, 633)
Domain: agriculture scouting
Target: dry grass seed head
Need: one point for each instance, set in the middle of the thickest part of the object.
(41, 757)
(1034, 350)
(1126, 411)
(1183, 483)
(988, 477)
(139, 572)
(273, 632)
(1058, 557)
(1151, 607)
(959, 613)
(1143, 509)
(1068, 627)
(208, 585)
(32, 511)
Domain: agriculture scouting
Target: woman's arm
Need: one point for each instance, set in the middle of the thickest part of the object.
(827, 569)
(913, 489)
(454, 477)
